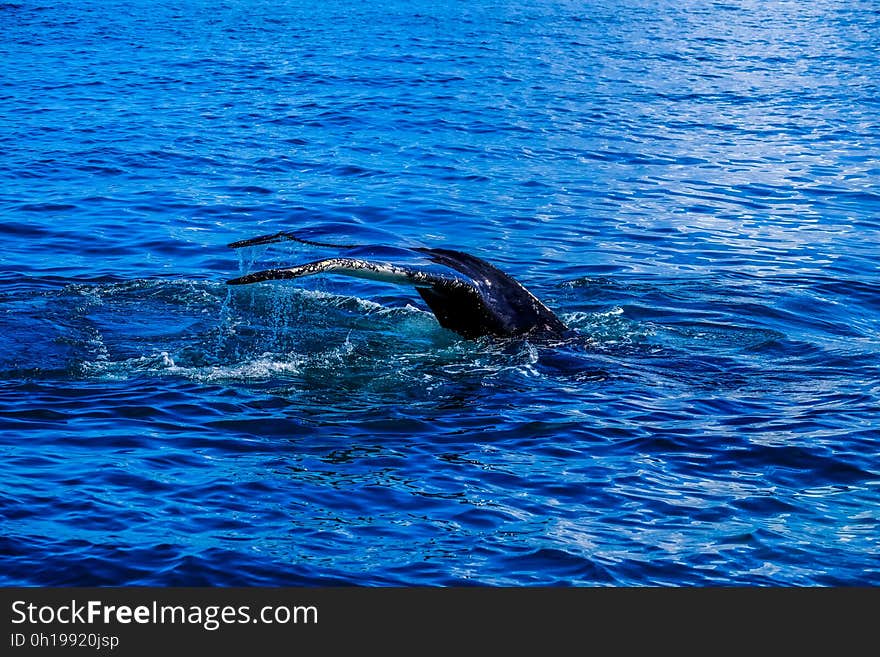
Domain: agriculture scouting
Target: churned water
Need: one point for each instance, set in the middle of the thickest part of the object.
(694, 187)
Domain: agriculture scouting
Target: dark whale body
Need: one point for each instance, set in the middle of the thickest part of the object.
(467, 294)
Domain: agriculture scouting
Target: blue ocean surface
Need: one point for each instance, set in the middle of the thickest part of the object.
(693, 187)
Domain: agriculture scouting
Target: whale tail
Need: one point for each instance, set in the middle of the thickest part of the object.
(466, 294)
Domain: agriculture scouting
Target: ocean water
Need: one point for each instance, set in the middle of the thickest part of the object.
(693, 187)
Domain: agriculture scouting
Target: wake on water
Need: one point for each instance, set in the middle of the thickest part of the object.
(290, 337)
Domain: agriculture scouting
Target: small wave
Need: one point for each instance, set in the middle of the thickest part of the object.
(266, 366)
(609, 328)
(245, 189)
(102, 367)
(47, 207)
(720, 335)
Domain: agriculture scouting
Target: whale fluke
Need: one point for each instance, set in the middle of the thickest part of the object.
(467, 294)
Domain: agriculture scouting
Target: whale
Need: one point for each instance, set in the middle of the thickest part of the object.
(467, 294)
